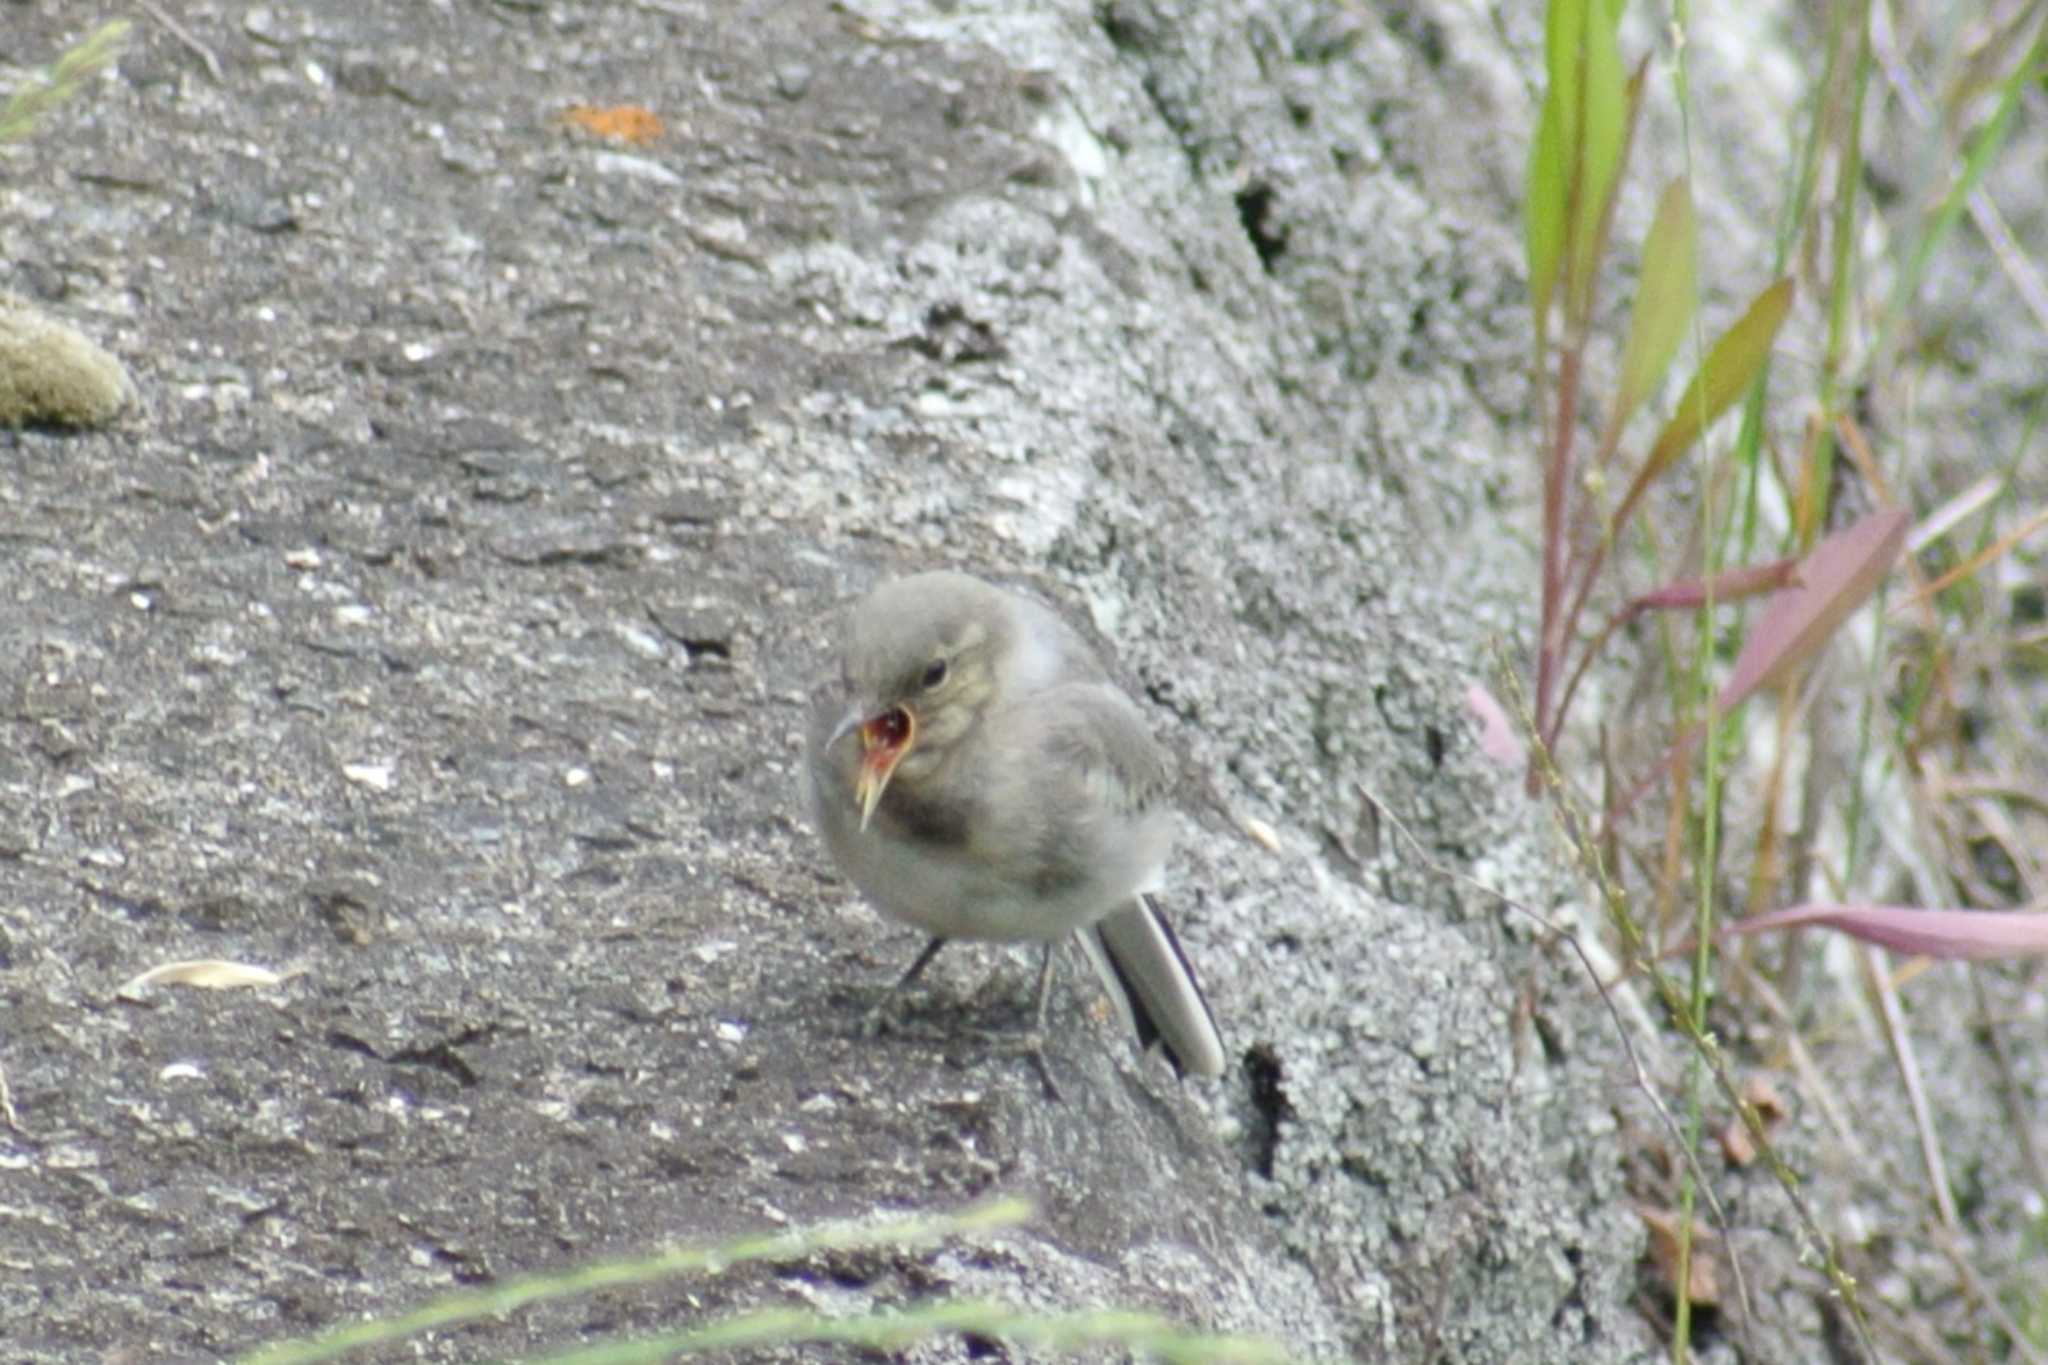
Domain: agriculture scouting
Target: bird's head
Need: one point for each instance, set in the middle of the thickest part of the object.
(923, 662)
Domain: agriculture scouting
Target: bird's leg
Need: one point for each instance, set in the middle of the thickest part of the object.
(1030, 1042)
(878, 1016)
(1038, 1035)
(1045, 985)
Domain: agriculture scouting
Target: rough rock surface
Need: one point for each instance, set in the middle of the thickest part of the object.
(439, 623)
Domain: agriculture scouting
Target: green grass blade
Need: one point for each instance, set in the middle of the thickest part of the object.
(514, 1294)
(1977, 163)
(893, 1332)
(58, 83)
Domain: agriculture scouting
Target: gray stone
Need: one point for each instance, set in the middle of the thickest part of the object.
(442, 631)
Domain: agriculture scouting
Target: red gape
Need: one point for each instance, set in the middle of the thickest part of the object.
(890, 730)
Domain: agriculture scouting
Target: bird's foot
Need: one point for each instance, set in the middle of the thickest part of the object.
(880, 1019)
(1032, 1045)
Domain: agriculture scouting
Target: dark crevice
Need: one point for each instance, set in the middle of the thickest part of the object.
(1255, 211)
(1270, 1107)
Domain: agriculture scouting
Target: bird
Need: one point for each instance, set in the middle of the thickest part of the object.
(976, 773)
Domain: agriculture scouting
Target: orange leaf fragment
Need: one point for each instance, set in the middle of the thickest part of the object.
(618, 122)
(1760, 1095)
(1704, 1284)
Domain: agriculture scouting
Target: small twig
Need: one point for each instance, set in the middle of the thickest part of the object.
(2009, 1085)
(1813, 1081)
(1704, 1044)
(2016, 1336)
(183, 35)
(1916, 1093)
(1665, 1117)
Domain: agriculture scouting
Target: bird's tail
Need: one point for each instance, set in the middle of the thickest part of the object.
(1148, 977)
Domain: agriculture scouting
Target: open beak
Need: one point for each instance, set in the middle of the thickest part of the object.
(885, 737)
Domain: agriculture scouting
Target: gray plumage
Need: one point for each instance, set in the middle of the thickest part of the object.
(976, 774)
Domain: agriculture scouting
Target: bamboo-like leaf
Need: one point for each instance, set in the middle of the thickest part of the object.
(1732, 364)
(1543, 208)
(1835, 579)
(1664, 299)
(1552, 155)
(1603, 123)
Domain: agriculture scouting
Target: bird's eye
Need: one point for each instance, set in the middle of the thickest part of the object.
(934, 674)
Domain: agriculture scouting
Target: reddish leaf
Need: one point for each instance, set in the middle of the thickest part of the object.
(1497, 737)
(1834, 580)
(1975, 935)
(1728, 585)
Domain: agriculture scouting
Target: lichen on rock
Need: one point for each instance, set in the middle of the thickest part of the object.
(52, 373)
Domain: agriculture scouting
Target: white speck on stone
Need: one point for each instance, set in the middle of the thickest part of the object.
(795, 1142)
(71, 1158)
(354, 614)
(576, 777)
(729, 1032)
(1262, 833)
(1066, 130)
(141, 601)
(819, 1104)
(708, 953)
(181, 1071)
(375, 776)
(417, 351)
(634, 168)
(306, 558)
(645, 643)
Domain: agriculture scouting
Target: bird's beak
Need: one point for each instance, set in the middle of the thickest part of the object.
(885, 737)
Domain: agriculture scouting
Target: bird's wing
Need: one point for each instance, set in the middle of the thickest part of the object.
(1088, 744)
(1153, 986)
(1070, 797)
